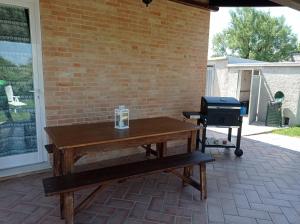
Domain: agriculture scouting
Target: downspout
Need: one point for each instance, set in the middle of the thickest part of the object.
(238, 87)
(258, 97)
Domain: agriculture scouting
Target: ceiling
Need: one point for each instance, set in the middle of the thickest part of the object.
(215, 4)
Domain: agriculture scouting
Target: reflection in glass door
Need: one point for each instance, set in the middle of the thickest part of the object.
(18, 126)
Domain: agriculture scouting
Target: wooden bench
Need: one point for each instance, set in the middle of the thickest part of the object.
(68, 184)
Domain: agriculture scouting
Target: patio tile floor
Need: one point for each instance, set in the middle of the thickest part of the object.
(262, 187)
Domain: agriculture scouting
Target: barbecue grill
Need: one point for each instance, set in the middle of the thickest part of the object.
(223, 112)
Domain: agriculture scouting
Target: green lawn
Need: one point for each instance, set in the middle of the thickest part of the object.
(292, 131)
(19, 116)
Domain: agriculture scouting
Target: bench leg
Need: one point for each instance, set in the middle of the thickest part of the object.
(203, 181)
(69, 207)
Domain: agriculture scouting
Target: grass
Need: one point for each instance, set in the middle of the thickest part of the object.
(291, 131)
(19, 116)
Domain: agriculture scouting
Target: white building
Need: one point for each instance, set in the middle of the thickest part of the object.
(256, 82)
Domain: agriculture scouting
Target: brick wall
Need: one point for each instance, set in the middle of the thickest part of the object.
(98, 54)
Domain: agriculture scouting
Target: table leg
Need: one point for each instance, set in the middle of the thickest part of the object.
(69, 207)
(203, 181)
(56, 162)
(68, 198)
(161, 149)
(57, 171)
(191, 146)
(148, 150)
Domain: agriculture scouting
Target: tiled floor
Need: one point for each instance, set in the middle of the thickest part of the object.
(262, 187)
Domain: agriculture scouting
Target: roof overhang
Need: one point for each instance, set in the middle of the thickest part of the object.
(215, 4)
(295, 4)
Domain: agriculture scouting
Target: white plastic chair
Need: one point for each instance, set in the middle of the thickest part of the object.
(13, 100)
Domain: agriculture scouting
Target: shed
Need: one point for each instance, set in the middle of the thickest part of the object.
(255, 83)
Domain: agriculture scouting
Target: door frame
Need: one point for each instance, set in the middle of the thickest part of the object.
(38, 81)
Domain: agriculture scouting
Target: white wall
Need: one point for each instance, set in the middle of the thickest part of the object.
(287, 80)
(225, 82)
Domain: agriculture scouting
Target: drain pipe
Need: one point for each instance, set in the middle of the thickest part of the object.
(258, 97)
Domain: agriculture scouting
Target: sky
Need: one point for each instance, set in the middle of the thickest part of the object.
(220, 20)
(17, 53)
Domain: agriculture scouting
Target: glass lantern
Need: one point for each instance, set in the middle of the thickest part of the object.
(121, 117)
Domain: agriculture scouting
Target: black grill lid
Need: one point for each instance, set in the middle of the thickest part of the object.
(221, 101)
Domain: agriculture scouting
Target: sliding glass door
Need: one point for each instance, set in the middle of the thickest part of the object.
(20, 114)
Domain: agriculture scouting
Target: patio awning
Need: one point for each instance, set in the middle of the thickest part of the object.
(295, 4)
(215, 4)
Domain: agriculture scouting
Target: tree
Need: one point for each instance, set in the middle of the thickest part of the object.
(20, 76)
(255, 34)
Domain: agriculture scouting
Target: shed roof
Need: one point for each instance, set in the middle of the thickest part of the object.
(234, 60)
(264, 64)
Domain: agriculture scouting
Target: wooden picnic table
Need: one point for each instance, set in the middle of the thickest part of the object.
(71, 142)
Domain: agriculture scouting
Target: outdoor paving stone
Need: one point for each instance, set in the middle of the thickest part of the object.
(156, 204)
(287, 197)
(138, 211)
(172, 198)
(229, 207)
(263, 192)
(4, 214)
(243, 186)
(133, 221)
(177, 211)
(262, 221)
(215, 212)
(25, 208)
(296, 205)
(253, 213)
(272, 187)
(159, 217)
(183, 220)
(120, 191)
(119, 216)
(231, 219)
(118, 203)
(252, 196)
(52, 220)
(276, 202)
(193, 205)
(200, 218)
(291, 214)
(138, 197)
(264, 207)
(221, 195)
(241, 201)
(84, 217)
(37, 215)
(100, 220)
(279, 218)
